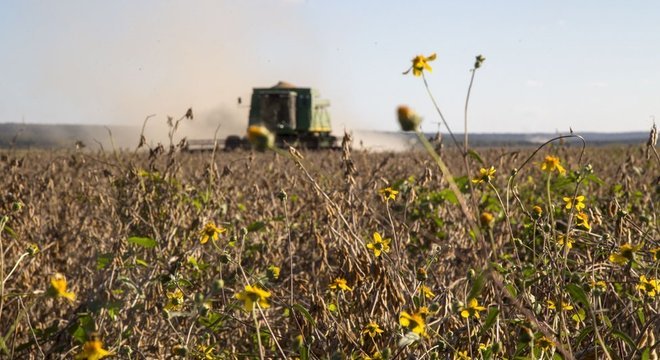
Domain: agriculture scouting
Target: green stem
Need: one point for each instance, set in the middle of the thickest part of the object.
(290, 246)
(437, 108)
(450, 179)
(467, 100)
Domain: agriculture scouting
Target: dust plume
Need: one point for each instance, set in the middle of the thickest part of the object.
(377, 141)
(108, 64)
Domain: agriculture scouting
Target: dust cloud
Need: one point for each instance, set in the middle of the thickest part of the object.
(105, 66)
(225, 120)
(378, 141)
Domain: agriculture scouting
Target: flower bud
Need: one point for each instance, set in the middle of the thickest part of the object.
(218, 285)
(526, 335)
(408, 120)
(225, 257)
(273, 273)
(434, 307)
(17, 206)
(487, 219)
(421, 274)
(478, 61)
(179, 350)
(470, 274)
(32, 249)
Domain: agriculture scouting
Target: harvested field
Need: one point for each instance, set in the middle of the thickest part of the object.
(249, 255)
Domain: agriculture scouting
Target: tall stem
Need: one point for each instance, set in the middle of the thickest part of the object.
(465, 113)
(256, 325)
(288, 228)
(437, 108)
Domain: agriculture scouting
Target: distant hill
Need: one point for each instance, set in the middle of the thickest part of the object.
(380, 140)
(46, 136)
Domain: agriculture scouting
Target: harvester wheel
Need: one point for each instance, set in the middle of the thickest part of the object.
(233, 142)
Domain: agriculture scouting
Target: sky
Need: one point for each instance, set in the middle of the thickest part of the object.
(550, 65)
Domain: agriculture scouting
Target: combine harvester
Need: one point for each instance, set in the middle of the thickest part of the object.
(296, 115)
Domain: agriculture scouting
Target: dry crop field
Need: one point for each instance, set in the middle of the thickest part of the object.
(330, 255)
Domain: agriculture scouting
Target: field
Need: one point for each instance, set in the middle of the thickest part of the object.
(330, 255)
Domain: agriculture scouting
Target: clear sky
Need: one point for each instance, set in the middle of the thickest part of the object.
(590, 65)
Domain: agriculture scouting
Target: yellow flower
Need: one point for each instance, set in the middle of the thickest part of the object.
(260, 137)
(421, 63)
(174, 300)
(564, 305)
(210, 231)
(578, 202)
(426, 291)
(340, 283)
(413, 322)
(544, 343)
(298, 341)
(58, 287)
(251, 295)
(537, 211)
(599, 286)
(379, 245)
(472, 309)
(625, 254)
(408, 120)
(579, 316)
(485, 175)
(551, 163)
(206, 351)
(486, 219)
(656, 254)
(273, 272)
(93, 350)
(423, 311)
(649, 287)
(583, 220)
(32, 249)
(372, 329)
(376, 356)
(561, 240)
(388, 193)
(462, 355)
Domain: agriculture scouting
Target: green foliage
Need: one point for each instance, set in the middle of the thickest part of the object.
(144, 242)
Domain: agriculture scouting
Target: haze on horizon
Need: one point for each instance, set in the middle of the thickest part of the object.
(592, 65)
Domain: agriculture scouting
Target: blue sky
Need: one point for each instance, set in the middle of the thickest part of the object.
(550, 65)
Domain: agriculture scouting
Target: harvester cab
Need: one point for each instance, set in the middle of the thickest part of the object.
(296, 115)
